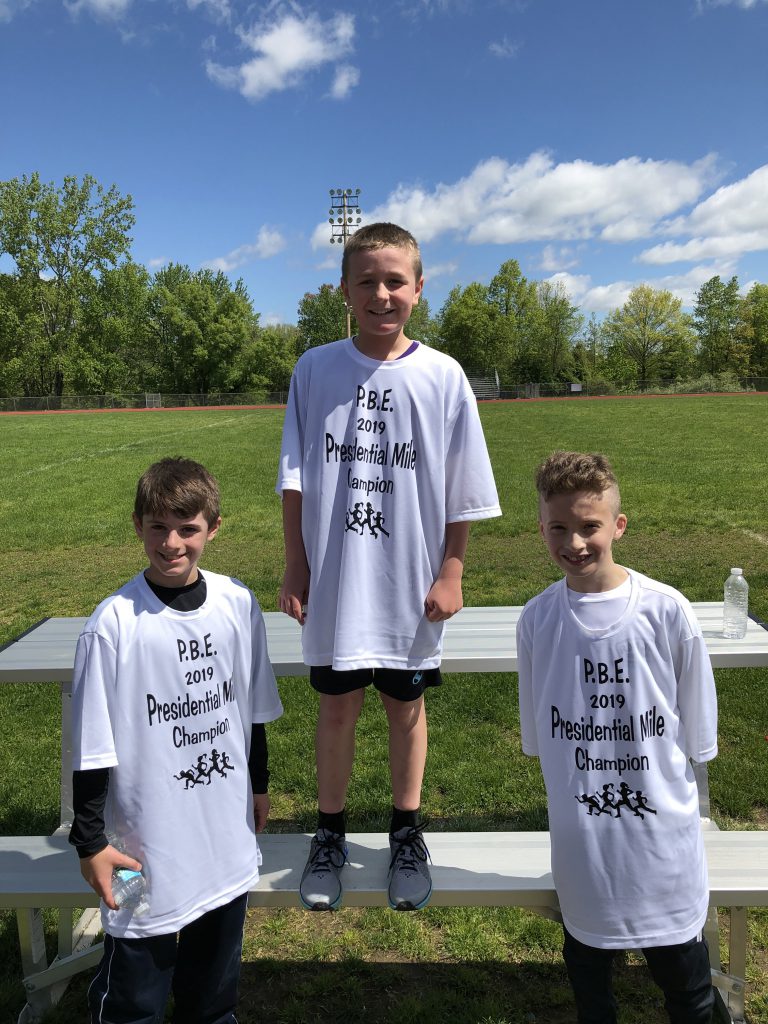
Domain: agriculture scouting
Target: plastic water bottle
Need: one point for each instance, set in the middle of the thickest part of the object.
(736, 595)
(129, 890)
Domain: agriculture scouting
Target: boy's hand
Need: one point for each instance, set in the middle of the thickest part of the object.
(444, 599)
(97, 871)
(260, 810)
(295, 592)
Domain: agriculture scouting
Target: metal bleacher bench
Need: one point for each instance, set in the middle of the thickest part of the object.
(468, 869)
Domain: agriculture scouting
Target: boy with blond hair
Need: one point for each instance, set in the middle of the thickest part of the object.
(383, 466)
(616, 697)
(172, 687)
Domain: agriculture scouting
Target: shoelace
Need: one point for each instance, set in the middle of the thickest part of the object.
(322, 855)
(410, 849)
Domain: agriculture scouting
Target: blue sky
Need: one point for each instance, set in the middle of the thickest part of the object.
(601, 143)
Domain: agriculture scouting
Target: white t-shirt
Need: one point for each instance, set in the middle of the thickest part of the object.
(385, 454)
(614, 714)
(166, 700)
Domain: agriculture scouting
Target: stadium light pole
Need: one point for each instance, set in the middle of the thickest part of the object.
(345, 218)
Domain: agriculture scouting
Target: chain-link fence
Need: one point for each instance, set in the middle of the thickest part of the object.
(557, 389)
(66, 403)
(707, 384)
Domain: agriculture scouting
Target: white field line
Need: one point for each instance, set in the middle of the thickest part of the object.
(99, 452)
(759, 537)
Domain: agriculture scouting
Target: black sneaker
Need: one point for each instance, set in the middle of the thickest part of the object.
(320, 887)
(410, 883)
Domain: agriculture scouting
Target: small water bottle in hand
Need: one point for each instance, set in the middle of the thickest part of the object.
(736, 596)
(129, 887)
(129, 890)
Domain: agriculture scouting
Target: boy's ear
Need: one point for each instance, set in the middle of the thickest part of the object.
(137, 526)
(417, 293)
(213, 530)
(621, 525)
(344, 289)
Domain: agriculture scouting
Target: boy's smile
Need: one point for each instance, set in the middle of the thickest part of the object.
(382, 289)
(173, 546)
(579, 530)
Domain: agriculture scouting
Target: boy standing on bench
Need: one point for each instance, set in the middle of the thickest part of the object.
(383, 466)
(172, 688)
(616, 695)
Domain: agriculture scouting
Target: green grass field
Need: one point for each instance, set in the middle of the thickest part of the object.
(693, 474)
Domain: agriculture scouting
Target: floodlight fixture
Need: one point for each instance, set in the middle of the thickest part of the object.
(345, 215)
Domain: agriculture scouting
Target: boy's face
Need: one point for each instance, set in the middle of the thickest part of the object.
(579, 530)
(174, 546)
(382, 289)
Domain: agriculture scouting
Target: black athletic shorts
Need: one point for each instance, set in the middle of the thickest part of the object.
(400, 684)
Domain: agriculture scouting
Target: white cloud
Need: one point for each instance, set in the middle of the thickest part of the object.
(730, 222)
(268, 243)
(602, 298)
(557, 259)
(504, 48)
(9, 8)
(158, 261)
(440, 270)
(285, 53)
(345, 80)
(107, 9)
(220, 10)
(332, 262)
(539, 200)
(744, 4)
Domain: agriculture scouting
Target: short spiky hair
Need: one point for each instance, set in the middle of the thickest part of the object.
(382, 236)
(179, 487)
(568, 472)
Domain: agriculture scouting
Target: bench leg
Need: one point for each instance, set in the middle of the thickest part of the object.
(46, 983)
(737, 962)
(34, 960)
(730, 985)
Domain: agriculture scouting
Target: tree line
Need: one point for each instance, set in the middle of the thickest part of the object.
(79, 316)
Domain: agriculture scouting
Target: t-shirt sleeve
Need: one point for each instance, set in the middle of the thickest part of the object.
(470, 487)
(292, 448)
(697, 699)
(93, 703)
(528, 735)
(265, 700)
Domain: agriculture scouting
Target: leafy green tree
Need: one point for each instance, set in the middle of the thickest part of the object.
(559, 321)
(651, 332)
(198, 323)
(754, 328)
(466, 328)
(61, 241)
(420, 326)
(266, 362)
(322, 317)
(716, 318)
(516, 309)
(114, 336)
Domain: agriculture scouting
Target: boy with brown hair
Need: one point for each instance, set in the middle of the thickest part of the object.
(172, 687)
(616, 697)
(383, 466)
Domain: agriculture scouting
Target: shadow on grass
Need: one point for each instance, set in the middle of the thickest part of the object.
(280, 992)
(428, 993)
(19, 819)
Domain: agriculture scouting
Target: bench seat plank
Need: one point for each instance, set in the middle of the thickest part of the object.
(469, 869)
(476, 640)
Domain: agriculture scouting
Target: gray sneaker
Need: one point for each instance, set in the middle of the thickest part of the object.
(410, 883)
(320, 887)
